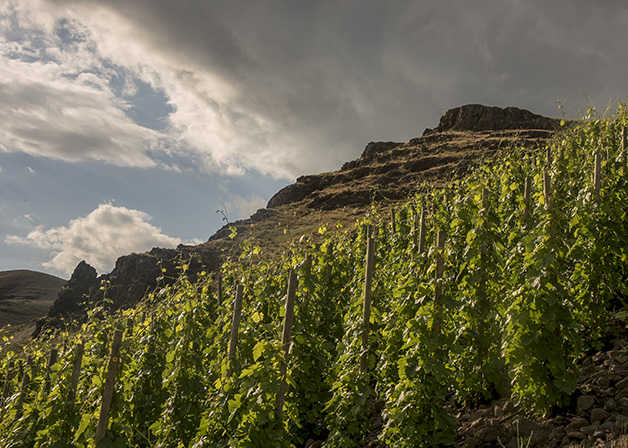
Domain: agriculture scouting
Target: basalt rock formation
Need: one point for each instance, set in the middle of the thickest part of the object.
(477, 118)
(385, 172)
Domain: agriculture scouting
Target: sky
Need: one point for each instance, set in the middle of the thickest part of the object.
(132, 124)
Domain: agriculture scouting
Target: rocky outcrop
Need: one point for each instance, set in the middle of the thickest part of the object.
(476, 118)
(392, 169)
(82, 285)
(131, 279)
(73, 299)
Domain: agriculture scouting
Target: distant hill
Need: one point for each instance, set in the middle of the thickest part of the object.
(26, 295)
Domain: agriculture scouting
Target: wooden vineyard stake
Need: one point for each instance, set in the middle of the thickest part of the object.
(422, 230)
(547, 188)
(440, 267)
(526, 198)
(52, 359)
(23, 388)
(368, 280)
(596, 176)
(129, 325)
(219, 290)
(6, 388)
(415, 229)
(548, 155)
(623, 149)
(329, 267)
(107, 396)
(76, 372)
(485, 224)
(285, 340)
(393, 221)
(307, 265)
(235, 324)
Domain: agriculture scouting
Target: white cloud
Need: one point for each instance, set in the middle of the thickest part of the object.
(98, 238)
(26, 221)
(44, 113)
(245, 206)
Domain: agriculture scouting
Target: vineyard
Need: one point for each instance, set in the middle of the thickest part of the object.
(491, 287)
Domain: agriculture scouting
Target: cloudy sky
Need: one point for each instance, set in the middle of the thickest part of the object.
(125, 124)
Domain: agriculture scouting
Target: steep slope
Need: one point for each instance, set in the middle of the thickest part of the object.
(385, 173)
(26, 295)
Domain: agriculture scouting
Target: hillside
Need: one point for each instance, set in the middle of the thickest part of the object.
(486, 310)
(385, 174)
(26, 295)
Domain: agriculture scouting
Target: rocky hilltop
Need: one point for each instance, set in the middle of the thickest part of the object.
(386, 172)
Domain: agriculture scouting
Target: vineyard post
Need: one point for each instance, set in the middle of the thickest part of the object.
(235, 324)
(107, 396)
(485, 224)
(6, 388)
(393, 222)
(596, 176)
(285, 340)
(422, 230)
(219, 290)
(440, 266)
(547, 188)
(307, 265)
(623, 149)
(548, 154)
(330, 254)
(526, 198)
(76, 372)
(129, 325)
(368, 280)
(52, 359)
(25, 381)
(415, 225)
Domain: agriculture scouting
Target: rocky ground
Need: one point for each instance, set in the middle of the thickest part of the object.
(597, 416)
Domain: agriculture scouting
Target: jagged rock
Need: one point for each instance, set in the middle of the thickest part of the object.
(136, 274)
(293, 193)
(82, 284)
(477, 117)
(374, 148)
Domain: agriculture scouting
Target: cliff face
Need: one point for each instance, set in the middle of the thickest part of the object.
(477, 118)
(385, 172)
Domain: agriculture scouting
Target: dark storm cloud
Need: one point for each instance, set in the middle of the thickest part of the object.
(309, 83)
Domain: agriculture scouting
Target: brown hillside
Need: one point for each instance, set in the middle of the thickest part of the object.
(385, 173)
(26, 295)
